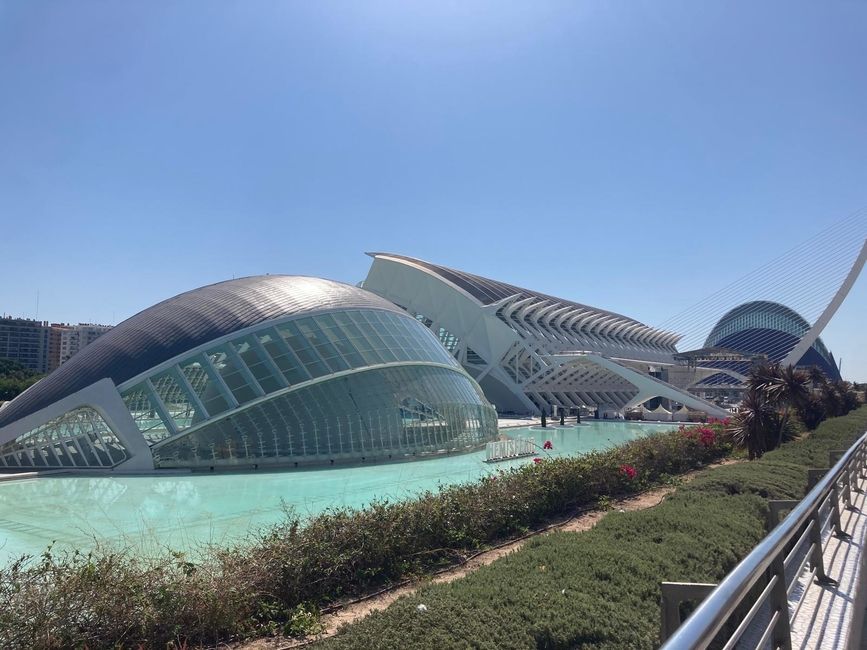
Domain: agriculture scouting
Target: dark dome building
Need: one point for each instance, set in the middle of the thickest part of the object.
(281, 370)
(768, 328)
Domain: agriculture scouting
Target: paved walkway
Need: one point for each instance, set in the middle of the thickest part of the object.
(827, 613)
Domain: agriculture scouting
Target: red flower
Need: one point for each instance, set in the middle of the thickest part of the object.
(707, 438)
(547, 445)
(537, 460)
(628, 471)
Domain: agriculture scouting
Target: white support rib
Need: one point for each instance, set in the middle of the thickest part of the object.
(813, 333)
(160, 407)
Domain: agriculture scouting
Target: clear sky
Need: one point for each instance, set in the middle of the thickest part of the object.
(635, 156)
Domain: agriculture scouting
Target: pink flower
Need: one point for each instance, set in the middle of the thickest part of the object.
(537, 460)
(547, 445)
(707, 437)
(628, 471)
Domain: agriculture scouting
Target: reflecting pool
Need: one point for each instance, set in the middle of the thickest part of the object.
(181, 511)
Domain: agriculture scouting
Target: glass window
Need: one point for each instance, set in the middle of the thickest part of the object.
(207, 389)
(283, 358)
(144, 414)
(232, 375)
(302, 348)
(176, 401)
(321, 344)
(261, 370)
(340, 340)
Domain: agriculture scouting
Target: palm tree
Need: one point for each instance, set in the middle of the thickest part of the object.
(817, 377)
(755, 423)
(848, 398)
(763, 374)
(832, 399)
(785, 389)
(793, 388)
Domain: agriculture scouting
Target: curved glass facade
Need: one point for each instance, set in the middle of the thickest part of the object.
(388, 412)
(79, 438)
(270, 395)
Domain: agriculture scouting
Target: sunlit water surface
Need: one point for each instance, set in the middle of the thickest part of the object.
(183, 511)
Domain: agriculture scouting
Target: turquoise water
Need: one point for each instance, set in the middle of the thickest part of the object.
(181, 511)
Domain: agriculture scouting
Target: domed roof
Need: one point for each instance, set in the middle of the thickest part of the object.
(187, 321)
(748, 314)
(765, 327)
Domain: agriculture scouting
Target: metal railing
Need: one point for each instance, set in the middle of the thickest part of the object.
(768, 576)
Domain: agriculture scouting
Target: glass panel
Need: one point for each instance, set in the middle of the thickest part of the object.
(360, 341)
(260, 370)
(301, 347)
(340, 339)
(176, 401)
(321, 344)
(232, 375)
(207, 390)
(284, 360)
(144, 414)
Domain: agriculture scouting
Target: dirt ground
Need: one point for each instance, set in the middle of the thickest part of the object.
(358, 609)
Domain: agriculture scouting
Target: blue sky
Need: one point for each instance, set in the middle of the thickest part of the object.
(635, 156)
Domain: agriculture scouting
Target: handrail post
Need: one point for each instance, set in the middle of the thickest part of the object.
(775, 507)
(779, 597)
(816, 558)
(860, 462)
(839, 533)
(850, 475)
(672, 594)
(814, 475)
(669, 607)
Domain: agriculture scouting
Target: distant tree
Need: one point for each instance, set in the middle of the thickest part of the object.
(15, 378)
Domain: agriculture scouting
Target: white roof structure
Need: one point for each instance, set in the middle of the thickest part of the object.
(530, 351)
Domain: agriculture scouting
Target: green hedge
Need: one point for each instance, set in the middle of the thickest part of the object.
(271, 583)
(600, 588)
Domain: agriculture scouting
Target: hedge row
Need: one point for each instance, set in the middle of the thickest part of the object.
(272, 582)
(600, 588)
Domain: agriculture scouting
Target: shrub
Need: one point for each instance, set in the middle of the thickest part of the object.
(600, 588)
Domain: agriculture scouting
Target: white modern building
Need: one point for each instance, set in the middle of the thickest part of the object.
(532, 352)
(267, 370)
